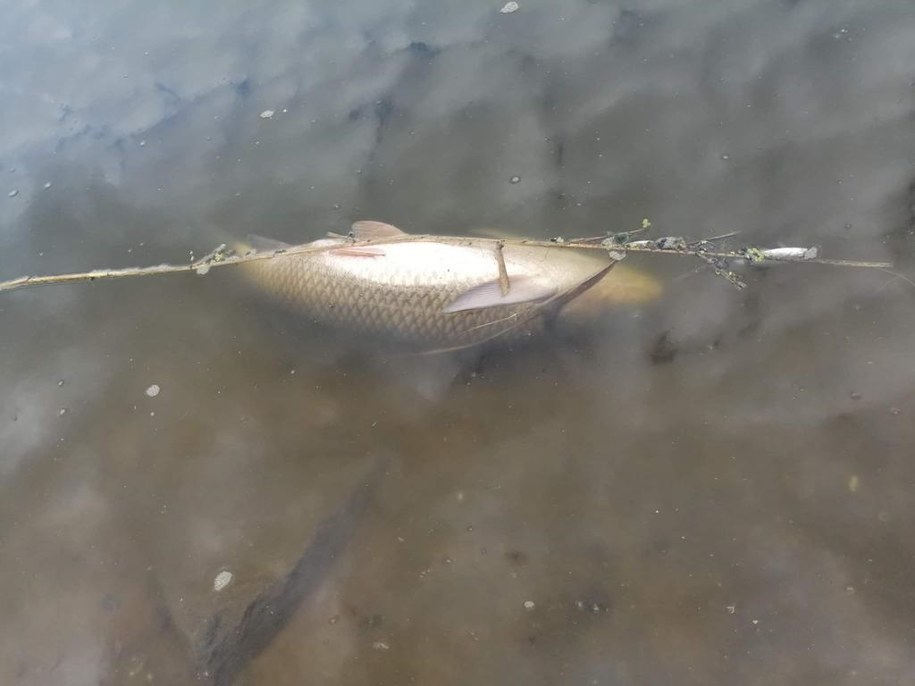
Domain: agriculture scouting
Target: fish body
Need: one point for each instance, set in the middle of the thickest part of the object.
(429, 295)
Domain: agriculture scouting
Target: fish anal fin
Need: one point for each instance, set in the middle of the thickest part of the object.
(368, 230)
(524, 289)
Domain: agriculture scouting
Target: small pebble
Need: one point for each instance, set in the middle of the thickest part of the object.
(142, 144)
(515, 179)
(510, 7)
(223, 579)
(62, 412)
(153, 391)
(13, 193)
(47, 185)
(267, 114)
(60, 383)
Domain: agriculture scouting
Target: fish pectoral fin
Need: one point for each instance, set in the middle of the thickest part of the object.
(367, 230)
(524, 289)
(266, 244)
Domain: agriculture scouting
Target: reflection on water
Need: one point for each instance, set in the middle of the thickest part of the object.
(714, 488)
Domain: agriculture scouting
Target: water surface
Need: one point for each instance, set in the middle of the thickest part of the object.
(711, 489)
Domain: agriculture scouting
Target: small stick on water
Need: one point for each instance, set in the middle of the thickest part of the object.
(613, 243)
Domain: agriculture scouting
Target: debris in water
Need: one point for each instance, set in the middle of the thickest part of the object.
(223, 579)
(510, 7)
(671, 243)
(60, 383)
(219, 254)
(62, 412)
(153, 391)
(381, 645)
(47, 185)
(731, 609)
(790, 253)
(13, 193)
(528, 604)
(515, 179)
(267, 114)
(853, 483)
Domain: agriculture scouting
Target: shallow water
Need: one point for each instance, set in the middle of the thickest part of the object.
(711, 489)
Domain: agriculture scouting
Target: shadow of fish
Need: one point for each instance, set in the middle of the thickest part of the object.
(226, 651)
(431, 296)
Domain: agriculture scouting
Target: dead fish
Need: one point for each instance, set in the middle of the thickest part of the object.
(432, 296)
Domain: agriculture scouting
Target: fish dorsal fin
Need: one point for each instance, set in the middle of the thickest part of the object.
(261, 243)
(523, 289)
(368, 230)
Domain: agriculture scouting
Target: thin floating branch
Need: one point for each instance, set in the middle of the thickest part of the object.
(618, 245)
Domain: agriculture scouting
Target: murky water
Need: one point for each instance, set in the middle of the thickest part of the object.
(713, 489)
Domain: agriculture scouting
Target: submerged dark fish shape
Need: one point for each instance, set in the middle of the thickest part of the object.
(226, 651)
